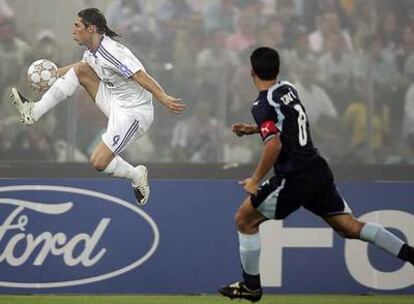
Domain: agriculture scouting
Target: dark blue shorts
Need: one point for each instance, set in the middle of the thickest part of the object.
(312, 188)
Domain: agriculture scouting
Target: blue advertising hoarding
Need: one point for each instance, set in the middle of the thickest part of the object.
(88, 236)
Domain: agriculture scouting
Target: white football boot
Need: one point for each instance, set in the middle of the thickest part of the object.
(142, 189)
(23, 105)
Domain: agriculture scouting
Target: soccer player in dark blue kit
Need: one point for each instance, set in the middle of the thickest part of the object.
(302, 177)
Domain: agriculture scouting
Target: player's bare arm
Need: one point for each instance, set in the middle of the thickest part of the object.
(150, 84)
(269, 157)
(241, 129)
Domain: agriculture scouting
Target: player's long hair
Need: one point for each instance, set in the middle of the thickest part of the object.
(93, 16)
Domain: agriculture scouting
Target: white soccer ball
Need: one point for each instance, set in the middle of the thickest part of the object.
(42, 74)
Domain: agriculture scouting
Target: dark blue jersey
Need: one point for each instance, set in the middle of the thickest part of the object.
(279, 110)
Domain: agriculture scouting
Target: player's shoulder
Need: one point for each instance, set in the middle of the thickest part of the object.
(111, 45)
(276, 95)
(282, 87)
(283, 92)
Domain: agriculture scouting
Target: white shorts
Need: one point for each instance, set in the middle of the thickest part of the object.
(124, 125)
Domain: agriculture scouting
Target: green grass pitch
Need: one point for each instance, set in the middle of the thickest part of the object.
(206, 299)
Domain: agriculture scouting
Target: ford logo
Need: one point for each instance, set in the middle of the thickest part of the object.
(58, 236)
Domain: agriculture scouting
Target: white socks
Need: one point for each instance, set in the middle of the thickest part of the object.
(63, 88)
(250, 247)
(378, 235)
(120, 168)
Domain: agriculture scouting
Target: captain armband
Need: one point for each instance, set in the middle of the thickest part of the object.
(268, 129)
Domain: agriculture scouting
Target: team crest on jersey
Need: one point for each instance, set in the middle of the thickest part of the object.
(123, 68)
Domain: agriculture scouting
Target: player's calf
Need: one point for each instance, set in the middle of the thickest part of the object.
(24, 106)
(407, 253)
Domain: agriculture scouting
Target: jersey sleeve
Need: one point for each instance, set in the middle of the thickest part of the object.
(123, 60)
(130, 64)
(266, 120)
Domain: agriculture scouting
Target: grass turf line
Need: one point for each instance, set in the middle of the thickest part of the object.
(205, 299)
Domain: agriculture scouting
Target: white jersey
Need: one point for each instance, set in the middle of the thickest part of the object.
(115, 64)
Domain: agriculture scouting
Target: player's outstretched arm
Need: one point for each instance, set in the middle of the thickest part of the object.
(150, 84)
(241, 129)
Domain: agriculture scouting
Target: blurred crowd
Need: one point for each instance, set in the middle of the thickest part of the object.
(351, 60)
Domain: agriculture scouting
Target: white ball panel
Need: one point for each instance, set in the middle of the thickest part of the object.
(45, 75)
(35, 77)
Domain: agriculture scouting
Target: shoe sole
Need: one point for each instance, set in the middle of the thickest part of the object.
(232, 296)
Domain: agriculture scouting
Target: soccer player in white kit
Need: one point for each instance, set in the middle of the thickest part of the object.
(118, 83)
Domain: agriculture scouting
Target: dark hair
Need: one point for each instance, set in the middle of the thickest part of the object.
(265, 63)
(93, 16)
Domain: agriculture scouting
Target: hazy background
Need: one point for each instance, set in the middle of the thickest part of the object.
(351, 60)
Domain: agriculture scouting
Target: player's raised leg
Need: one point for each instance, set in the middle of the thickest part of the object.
(124, 127)
(74, 76)
(248, 220)
(349, 227)
(104, 160)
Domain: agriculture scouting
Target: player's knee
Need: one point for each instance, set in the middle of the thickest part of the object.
(82, 70)
(351, 230)
(244, 225)
(241, 223)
